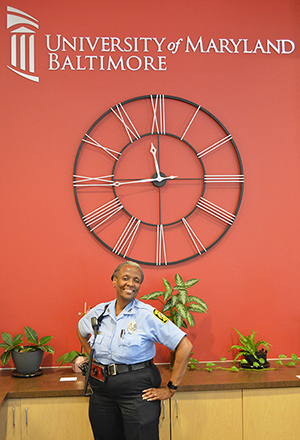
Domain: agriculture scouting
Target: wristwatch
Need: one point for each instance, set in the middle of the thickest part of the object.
(171, 386)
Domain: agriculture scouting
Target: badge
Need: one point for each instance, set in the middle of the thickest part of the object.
(132, 327)
(160, 316)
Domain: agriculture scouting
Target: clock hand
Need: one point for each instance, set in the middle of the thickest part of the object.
(153, 152)
(153, 179)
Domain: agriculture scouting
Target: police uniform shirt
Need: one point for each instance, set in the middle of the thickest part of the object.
(130, 337)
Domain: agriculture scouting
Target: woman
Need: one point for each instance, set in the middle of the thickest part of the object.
(125, 404)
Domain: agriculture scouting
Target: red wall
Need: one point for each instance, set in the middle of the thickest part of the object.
(50, 265)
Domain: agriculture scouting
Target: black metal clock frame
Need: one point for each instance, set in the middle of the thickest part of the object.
(238, 179)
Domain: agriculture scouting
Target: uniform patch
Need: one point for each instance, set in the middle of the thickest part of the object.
(132, 327)
(160, 316)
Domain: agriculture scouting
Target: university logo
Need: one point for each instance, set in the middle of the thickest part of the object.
(22, 28)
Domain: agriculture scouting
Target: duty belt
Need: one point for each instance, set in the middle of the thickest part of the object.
(99, 371)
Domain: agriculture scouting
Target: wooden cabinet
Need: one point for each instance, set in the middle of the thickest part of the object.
(164, 421)
(267, 413)
(56, 418)
(271, 413)
(209, 415)
(10, 420)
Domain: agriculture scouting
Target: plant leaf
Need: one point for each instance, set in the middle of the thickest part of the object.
(174, 300)
(31, 335)
(167, 294)
(18, 339)
(182, 295)
(191, 282)
(295, 358)
(210, 364)
(197, 300)
(178, 320)
(5, 358)
(167, 286)
(182, 310)
(178, 280)
(45, 340)
(190, 319)
(152, 295)
(234, 369)
(167, 306)
(7, 338)
(68, 357)
(196, 308)
(47, 348)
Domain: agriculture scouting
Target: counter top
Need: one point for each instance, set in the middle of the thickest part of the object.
(48, 384)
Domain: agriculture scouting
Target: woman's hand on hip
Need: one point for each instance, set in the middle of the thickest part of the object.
(157, 394)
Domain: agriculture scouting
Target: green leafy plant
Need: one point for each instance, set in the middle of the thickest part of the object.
(177, 304)
(16, 344)
(70, 356)
(291, 363)
(248, 346)
(194, 364)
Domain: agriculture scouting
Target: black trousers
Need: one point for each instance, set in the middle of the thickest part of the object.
(117, 410)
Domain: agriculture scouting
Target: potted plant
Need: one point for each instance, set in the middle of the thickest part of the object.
(177, 304)
(255, 355)
(27, 358)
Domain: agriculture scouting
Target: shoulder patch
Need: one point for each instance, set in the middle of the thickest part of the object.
(160, 316)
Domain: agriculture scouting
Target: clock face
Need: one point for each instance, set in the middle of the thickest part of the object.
(158, 179)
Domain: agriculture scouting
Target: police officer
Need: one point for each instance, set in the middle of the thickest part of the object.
(125, 403)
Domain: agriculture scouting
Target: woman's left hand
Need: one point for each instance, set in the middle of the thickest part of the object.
(157, 394)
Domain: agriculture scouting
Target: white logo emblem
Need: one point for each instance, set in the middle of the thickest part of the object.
(22, 43)
(132, 327)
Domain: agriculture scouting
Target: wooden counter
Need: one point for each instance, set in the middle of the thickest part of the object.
(49, 384)
(221, 404)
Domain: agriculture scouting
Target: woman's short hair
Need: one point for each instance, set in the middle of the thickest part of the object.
(127, 263)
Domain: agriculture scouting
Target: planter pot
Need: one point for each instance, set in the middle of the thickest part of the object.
(27, 363)
(77, 362)
(252, 359)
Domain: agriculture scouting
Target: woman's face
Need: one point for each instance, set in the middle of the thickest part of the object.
(127, 284)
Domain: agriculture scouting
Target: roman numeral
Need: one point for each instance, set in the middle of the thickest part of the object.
(112, 153)
(100, 215)
(193, 237)
(160, 246)
(127, 236)
(122, 115)
(190, 123)
(224, 178)
(216, 211)
(159, 116)
(82, 181)
(214, 146)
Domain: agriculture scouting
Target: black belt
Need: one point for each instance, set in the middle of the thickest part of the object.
(99, 371)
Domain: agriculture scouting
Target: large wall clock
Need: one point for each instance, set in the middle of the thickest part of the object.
(158, 179)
